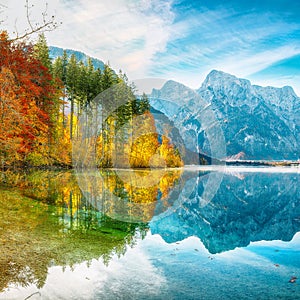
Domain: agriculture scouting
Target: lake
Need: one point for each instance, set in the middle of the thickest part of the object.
(192, 233)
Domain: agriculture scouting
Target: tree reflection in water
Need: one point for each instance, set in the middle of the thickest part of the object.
(46, 220)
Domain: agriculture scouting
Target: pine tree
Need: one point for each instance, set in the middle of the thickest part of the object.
(41, 52)
(57, 69)
(83, 84)
(108, 78)
(50, 102)
(64, 80)
(72, 72)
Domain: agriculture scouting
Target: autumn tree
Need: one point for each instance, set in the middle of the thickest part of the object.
(26, 86)
(34, 94)
(31, 98)
(144, 142)
(10, 117)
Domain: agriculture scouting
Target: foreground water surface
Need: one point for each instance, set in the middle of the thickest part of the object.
(193, 233)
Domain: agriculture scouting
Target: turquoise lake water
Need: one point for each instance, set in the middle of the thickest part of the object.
(162, 234)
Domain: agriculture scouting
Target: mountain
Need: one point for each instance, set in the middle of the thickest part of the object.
(262, 122)
(256, 123)
(80, 56)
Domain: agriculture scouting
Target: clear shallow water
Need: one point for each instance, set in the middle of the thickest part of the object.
(186, 239)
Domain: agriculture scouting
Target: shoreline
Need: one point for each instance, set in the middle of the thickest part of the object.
(222, 165)
(287, 163)
(245, 169)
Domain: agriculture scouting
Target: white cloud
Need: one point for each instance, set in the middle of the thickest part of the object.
(144, 38)
(127, 33)
(243, 66)
(248, 63)
(123, 276)
(223, 40)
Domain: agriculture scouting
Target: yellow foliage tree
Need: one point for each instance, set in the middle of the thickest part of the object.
(135, 145)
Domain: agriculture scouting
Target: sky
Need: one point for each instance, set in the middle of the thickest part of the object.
(178, 39)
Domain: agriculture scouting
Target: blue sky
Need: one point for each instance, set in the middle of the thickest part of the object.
(183, 40)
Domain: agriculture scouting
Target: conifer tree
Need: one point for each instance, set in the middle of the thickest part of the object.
(72, 87)
(41, 51)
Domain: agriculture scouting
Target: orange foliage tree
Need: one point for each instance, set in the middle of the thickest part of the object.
(27, 98)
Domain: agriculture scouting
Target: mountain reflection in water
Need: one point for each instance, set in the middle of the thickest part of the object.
(247, 207)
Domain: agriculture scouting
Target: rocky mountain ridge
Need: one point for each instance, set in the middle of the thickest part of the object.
(258, 123)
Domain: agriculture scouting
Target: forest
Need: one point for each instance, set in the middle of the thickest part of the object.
(41, 100)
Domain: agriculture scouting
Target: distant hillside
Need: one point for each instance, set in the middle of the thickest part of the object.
(56, 52)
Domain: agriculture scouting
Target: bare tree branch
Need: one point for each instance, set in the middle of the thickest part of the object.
(47, 23)
(28, 15)
(2, 7)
